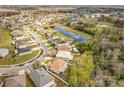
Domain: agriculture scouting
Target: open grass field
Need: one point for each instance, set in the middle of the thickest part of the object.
(5, 39)
(87, 36)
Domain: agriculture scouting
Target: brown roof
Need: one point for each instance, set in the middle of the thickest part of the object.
(57, 64)
(64, 48)
(3, 10)
(18, 32)
(15, 81)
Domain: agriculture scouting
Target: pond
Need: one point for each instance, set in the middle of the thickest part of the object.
(70, 34)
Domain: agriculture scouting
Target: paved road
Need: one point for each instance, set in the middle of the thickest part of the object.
(14, 69)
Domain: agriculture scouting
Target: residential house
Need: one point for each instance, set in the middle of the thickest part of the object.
(64, 47)
(15, 81)
(23, 51)
(57, 40)
(64, 55)
(57, 66)
(3, 52)
(41, 78)
(64, 52)
(21, 37)
(17, 33)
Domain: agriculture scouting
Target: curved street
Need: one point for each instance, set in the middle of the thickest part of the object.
(14, 69)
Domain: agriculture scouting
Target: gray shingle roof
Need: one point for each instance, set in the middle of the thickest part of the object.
(40, 77)
(23, 50)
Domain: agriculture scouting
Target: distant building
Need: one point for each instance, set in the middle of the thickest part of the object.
(58, 66)
(87, 16)
(16, 33)
(41, 78)
(57, 40)
(64, 47)
(3, 52)
(15, 81)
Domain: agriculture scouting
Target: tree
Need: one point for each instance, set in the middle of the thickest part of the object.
(81, 70)
(122, 55)
(82, 47)
(119, 23)
(73, 78)
(36, 65)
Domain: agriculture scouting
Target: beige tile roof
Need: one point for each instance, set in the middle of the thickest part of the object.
(57, 64)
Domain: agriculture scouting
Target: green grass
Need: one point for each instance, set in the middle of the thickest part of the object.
(6, 39)
(87, 19)
(3, 77)
(9, 60)
(81, 70)
(87, 36)
(29, 82)
(68, 20)
(27, 57)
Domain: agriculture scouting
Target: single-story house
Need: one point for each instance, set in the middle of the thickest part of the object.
(17, 33)
(3, 52)
(64, 55)
(23, 51)
(21, 37)
(57, 40)
(86, 15)
(26, 45)
(23, 41)
(41, 78)
(58, 66)
(15, 81)
(64, 47)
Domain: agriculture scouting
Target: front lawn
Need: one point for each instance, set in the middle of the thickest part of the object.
(10, 60)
